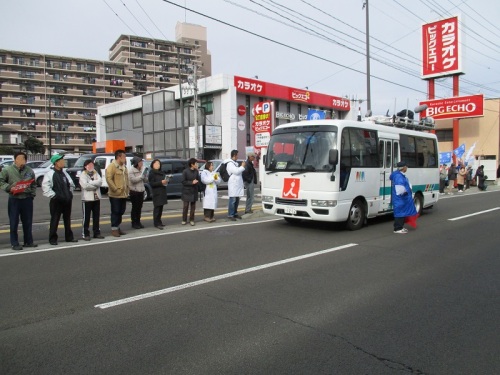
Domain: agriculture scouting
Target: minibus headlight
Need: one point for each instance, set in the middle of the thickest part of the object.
(267, 198)
(323, 203)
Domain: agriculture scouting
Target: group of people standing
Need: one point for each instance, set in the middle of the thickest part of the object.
(462, 175)
(19, 182)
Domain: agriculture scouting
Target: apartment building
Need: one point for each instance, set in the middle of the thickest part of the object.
(37, 90)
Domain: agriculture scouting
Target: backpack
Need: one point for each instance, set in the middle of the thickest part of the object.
(223, 172)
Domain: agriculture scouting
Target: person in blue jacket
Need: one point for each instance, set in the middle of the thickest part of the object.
(402, 199)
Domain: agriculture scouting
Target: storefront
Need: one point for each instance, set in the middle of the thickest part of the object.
(223, 113)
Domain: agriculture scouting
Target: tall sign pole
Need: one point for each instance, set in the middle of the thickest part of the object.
(181, 105)
(441, 57)
(196, 136)
(368, 74)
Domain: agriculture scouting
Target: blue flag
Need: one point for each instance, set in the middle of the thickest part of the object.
(459, 151)
(445, 157)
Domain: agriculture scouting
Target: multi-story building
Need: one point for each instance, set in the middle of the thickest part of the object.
(65, 92)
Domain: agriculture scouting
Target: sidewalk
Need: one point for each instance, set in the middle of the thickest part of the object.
(471, 190)
(173, 221)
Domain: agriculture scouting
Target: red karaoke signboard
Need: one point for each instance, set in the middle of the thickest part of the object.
(458, 107)
(274, 91)
(440, 48)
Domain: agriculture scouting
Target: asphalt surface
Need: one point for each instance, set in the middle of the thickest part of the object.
(261, 296)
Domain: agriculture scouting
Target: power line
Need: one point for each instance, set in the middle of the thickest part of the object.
(116, 14)
(150, 19)
(290, 47)
(139, 22)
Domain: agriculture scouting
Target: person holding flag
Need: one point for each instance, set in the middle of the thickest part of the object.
(402, 200)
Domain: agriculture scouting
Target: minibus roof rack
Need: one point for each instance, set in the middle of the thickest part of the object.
(403, 119)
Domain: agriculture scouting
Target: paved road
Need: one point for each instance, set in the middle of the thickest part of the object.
(261, 296)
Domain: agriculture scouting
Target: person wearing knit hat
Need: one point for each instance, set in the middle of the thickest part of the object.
(136, 178)
(58, 186)
(90, 183)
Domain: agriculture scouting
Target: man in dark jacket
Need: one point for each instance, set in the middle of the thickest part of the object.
(18, 180)
(190, 178)
(249, 180)
(58, 186)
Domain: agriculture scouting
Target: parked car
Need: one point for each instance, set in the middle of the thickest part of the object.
(217, 163)
(69, 161)
(35, 163)
(75, 171)
(6, 163)
(102, 162)
(32, 164)
(173, 168)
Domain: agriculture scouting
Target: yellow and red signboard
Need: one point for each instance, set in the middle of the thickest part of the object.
(263, 124)
(458, 107)
(441, 51)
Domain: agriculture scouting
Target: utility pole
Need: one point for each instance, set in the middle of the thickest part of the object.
(50, 130)
(196, 136)
(182, 105)
(368, 89)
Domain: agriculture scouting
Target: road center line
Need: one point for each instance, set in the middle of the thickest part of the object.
(474, 214)
(219, 277)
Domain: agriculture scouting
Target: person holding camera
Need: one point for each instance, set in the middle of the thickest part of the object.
(90, 183)
(136, 179)
(158, 182)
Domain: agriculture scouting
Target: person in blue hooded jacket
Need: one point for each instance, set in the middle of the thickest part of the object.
(402, 200)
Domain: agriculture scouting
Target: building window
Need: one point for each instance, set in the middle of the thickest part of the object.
(206, 102)
(137, 119)
(444, 135)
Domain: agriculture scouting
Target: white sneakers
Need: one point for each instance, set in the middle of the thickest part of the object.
(401, 231)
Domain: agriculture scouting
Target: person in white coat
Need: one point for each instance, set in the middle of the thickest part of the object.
(90, 183)
(211, 180)
(235, 188)
(58, 186)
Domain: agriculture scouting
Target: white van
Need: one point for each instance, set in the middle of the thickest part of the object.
(6, 157)
(102, 162)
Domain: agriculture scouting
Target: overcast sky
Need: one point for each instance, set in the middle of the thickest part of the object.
(320, 43)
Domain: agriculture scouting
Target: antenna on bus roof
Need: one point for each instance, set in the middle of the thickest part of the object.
(403, 119)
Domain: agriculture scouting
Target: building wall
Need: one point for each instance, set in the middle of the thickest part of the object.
(484, 131)
(76, 87)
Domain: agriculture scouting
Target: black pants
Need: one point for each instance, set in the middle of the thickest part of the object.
(20, 208)
(208, 213)
(91, 208)
(399, 222)
(137, 200)
(442, 185)
(185, 207)
(118, 207)
(157, 212)
(58, 208)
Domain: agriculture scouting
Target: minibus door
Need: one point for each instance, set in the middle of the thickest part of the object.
(388, 149)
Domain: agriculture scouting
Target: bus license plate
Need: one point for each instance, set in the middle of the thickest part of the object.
(290, 210)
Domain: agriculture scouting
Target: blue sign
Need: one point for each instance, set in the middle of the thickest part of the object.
(315, 114)
(445, 157)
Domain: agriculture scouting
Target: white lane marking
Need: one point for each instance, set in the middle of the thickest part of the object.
(219, 277)
(130, 236)
(474, 214)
